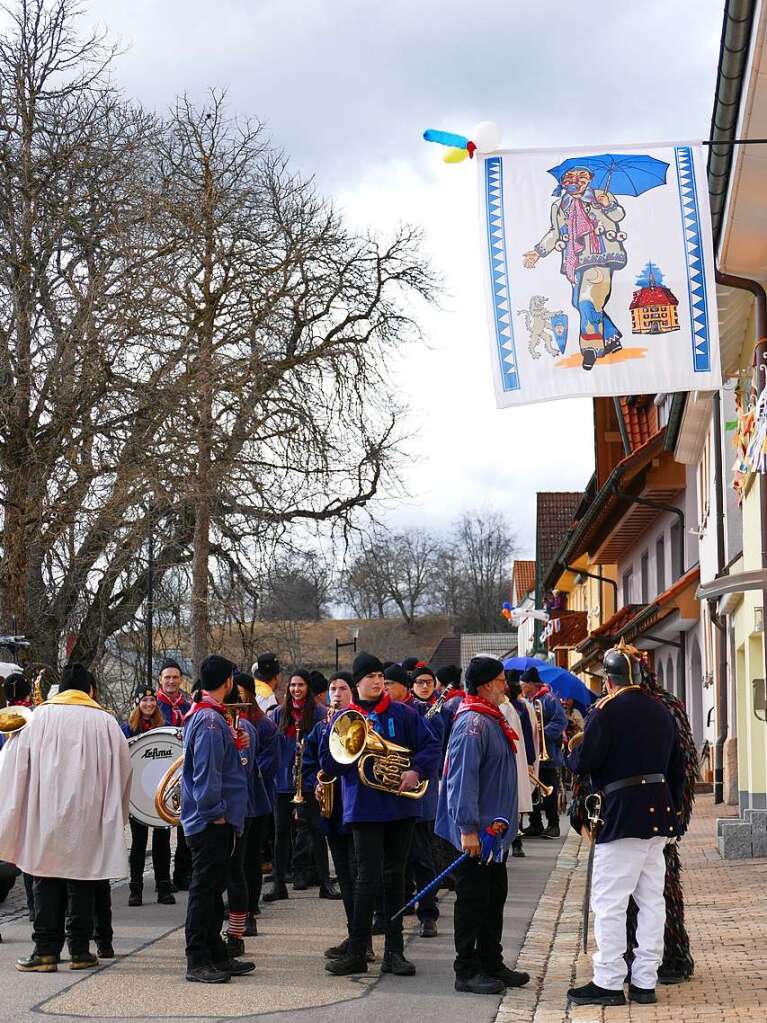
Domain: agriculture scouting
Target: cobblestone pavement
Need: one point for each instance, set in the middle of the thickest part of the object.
(728, 931)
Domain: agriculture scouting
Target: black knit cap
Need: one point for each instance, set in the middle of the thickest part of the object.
(480, 671)
(396, 673)
(170, 662)
(450, 675)
(531, 675)
(76, 676)
(214, 671)
(345, 676)
(245, 680)
(141, 692)
(408, 663)
(365, 664)
(317, 682)
(424, 669)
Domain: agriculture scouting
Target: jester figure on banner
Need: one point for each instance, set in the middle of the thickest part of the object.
(584, 228)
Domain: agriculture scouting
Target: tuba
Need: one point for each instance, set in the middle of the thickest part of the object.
(167, 798)
(380, 764)
(13, 720)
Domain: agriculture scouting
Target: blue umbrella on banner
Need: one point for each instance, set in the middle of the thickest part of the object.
(621, 174)
(561, 681)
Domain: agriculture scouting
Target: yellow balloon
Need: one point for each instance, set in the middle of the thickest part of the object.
(454, 155)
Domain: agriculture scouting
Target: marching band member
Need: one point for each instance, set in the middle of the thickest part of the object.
(174, 704)
(144, 717)
(267, 673)
(237, 884)
(421, 863)
(479, 786)
(214, 794)
(295, 720)
(260, 807)
(71, 761)
(339, 835)
(630, 749)
(554, 724)
(381, 821)
(521, 706)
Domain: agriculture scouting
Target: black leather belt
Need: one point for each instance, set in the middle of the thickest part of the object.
(637, 779)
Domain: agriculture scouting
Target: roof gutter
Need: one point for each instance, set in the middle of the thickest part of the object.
(733, 57)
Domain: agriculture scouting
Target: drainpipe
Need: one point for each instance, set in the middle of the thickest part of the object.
(625, 439)
(601, 579)
(760, 364)
(721, 626)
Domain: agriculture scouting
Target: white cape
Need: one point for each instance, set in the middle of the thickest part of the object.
(524, 789)
(65, 781)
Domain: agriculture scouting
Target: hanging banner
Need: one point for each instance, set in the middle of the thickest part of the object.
(600, 272)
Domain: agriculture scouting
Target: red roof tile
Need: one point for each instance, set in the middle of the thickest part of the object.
(555, 511)
(523, 577)
(653, 296)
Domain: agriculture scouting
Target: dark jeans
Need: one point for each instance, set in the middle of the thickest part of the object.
(63, 908)
(253, 854)
(550, 805)
(29, 888)
(480, 895)
(102, 914)
(210, 849)
(237, 885)
(342, 851)
(421, 865)
(379, 847)
(284, 810)
(182, 861)
(160, 852)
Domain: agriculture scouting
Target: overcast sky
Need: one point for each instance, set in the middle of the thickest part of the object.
(348, 86)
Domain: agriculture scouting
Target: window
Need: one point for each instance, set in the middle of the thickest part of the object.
(660, 564)
(627, 586)
(676, 550)
(645, 577)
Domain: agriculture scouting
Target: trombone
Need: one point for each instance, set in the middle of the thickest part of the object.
(540, 790)
(538, 708)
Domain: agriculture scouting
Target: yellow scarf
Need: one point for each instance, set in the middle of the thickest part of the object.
(73, 698)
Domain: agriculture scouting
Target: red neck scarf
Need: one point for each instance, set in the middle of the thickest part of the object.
(296, 713)
(383, 704)
(209, 702)
(455, 694)
(20, 703)
(481, 706)
(176, 706)
(543, 690)
(145, 724)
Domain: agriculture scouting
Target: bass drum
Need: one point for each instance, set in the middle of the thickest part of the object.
(151, 754)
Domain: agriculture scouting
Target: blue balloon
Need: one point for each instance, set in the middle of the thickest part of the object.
(446, 138)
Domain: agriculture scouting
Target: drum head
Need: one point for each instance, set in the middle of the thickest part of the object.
(151, 754)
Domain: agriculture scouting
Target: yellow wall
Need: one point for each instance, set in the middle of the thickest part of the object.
(749, 663)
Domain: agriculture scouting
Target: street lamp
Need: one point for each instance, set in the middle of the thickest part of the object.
(352, 643)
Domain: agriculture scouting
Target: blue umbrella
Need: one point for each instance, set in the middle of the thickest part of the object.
(627, 174)
(561, 682)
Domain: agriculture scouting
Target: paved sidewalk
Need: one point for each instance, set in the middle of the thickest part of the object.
(726, 918)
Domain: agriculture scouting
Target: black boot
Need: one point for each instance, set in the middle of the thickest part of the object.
(136, 890)
(479, 984)
(347, 964)
(643, 995)
(395, 962)
(329, 891)
(37, 964)
(164, 894)
(279, 891)
(516, 847)
(234, 946)
(592, 994)
(251, 928)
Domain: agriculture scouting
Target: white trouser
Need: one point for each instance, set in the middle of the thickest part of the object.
(628, 866)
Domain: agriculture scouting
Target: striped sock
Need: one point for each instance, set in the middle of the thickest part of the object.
(236, 925)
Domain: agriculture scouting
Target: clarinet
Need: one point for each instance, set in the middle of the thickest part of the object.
(298, 766)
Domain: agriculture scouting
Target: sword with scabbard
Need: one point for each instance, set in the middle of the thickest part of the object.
(592, 804)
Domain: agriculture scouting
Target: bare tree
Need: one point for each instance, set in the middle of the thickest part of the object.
(485, 545)
(409, 568)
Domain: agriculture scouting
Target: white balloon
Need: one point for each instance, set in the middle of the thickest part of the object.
(486, 136)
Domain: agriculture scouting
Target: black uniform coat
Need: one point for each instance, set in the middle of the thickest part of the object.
(629, 734)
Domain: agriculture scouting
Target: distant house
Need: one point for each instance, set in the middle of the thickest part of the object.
(654, 309)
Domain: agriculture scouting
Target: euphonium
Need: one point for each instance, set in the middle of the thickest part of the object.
(326, 793)
(380, 764)
(538, 706)
(13, 720)
(167, 798)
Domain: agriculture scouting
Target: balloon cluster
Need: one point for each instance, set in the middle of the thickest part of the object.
(485, 138)
(507, 611)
